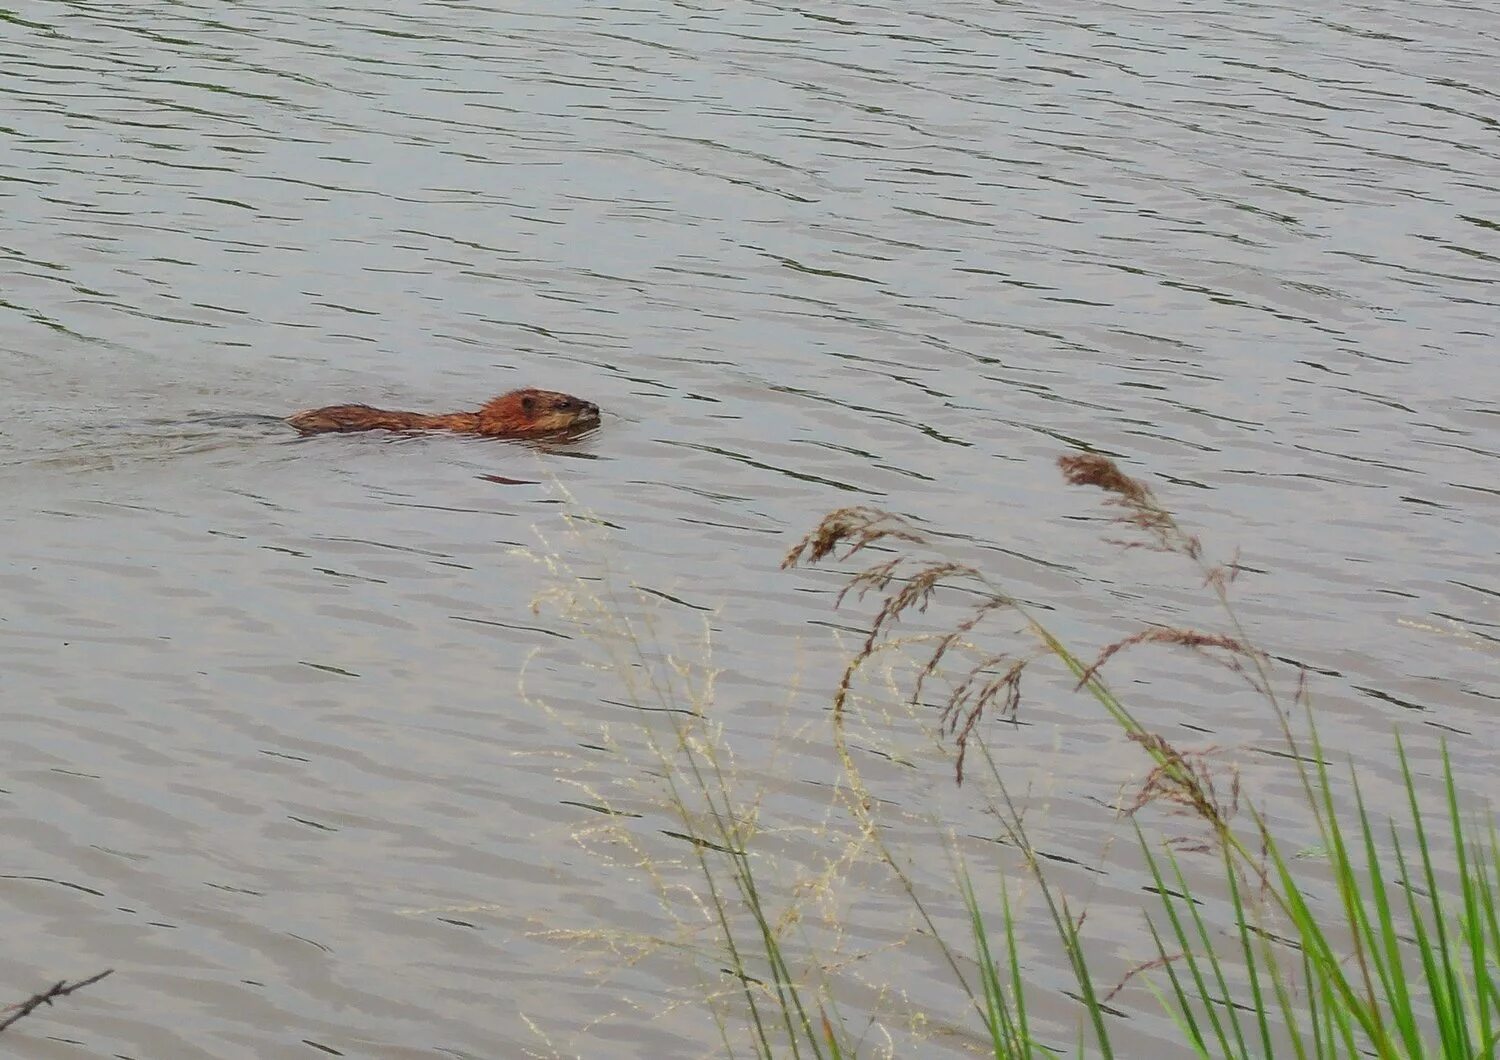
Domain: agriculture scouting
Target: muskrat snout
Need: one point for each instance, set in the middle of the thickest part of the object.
(579, 409)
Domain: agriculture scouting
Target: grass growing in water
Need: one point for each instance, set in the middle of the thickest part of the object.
(1386, 945)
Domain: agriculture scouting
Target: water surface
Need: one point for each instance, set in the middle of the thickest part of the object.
(266, 750)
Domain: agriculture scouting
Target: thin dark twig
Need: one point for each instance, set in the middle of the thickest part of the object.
(62, 988)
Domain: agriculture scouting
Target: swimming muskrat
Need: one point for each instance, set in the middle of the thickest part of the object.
(526, 413)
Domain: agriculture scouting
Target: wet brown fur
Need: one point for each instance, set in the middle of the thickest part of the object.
(526, 413)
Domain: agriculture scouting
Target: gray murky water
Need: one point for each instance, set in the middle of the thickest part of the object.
(264, 749)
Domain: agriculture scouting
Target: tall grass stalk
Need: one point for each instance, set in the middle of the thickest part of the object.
(1408, 979)
(763, 984)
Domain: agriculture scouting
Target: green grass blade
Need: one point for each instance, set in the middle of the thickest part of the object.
(1383, 940)
(1478, 1014)
(1446, 993)
(1252, 966)
(1187, 1030)
(1323, 958)
(1210, 951)
(1018, 990)
(1199, 993)
(1362, 999)
(1182, 1011)
(1067, 930)
(998, 1018)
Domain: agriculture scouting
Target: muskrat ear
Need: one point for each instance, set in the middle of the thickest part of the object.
(528, 403)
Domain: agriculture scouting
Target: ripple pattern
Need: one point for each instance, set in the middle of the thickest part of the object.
(267, 750)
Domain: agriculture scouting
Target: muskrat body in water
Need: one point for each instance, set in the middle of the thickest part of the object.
(526, 413)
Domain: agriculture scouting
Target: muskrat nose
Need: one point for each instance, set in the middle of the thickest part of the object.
(590, 409)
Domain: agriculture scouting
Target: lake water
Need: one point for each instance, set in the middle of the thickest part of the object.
(267, 750)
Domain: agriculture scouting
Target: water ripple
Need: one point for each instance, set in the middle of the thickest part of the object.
(269, 749)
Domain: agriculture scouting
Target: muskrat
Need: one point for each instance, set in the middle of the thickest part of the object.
(526, 413)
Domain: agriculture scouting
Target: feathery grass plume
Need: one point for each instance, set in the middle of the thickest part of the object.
(992, 681)
(854, 528)
(978, 693)
(1199, 794)
(1141, 509)
(1185, 638)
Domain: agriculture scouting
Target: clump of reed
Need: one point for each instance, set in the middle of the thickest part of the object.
(1385, 943)
(1401, 960)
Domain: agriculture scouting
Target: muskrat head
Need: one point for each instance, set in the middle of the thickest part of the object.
(531, 411)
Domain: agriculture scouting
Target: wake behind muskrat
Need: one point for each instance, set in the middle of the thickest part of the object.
(525, 413)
